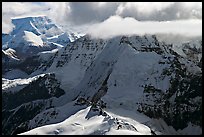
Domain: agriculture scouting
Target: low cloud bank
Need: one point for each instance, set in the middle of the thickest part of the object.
(116, 25)
(87, 13)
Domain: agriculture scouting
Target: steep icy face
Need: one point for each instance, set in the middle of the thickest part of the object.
(140, 82)
(119, 49)
(136, 71)
(170, 76)
(100, 68)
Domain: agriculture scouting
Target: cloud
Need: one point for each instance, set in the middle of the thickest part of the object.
(176, 38)
(116, 25)
(161, 11)
(7, 26)
(58, 11)
(81, 13)
(78, 14)
(15, 9)
(89, 12)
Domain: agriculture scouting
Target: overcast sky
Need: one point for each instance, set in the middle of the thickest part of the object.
(103, 19)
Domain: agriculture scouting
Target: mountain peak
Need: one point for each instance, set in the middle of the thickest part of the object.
(29, 17)
(38, 25)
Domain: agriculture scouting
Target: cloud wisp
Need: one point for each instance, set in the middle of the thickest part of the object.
(116, 25)
(161, 11)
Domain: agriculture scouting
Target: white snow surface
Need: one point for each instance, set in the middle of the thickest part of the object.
(79, 120)
(10, 54)
(17, 84)
(45, 55)
(86, 122)
(10, 50)
(34, 39)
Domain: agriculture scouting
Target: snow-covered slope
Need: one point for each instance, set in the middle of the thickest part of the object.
(32, 38)
(24, 41)
(89, 122)
(13, 85)
(124, 85)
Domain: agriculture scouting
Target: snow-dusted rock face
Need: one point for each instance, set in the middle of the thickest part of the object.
(9, 59)
(123, 85)
(191, 50)
(30, 99)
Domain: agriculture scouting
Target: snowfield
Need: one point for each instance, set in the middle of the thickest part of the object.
(34, 39)
(86, 122)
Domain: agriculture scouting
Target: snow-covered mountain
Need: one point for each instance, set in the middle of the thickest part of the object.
(123, 85)
(32, 35)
